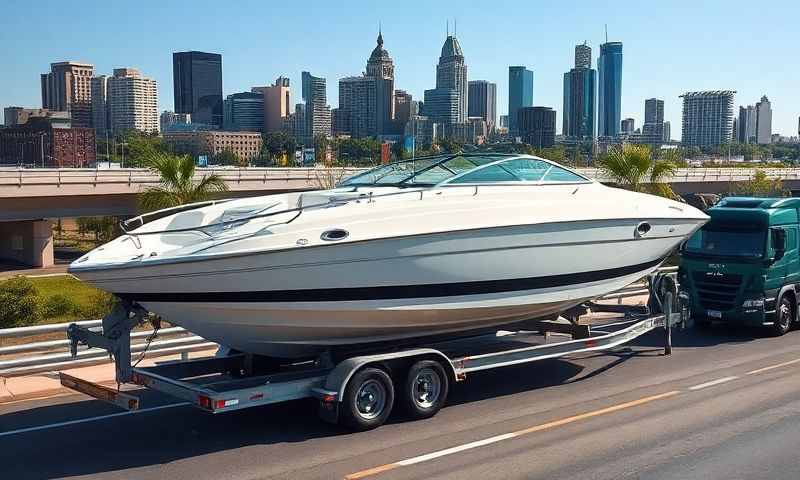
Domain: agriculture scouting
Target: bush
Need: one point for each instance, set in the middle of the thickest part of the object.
(18, 303)
(58, 305)
(100, 305)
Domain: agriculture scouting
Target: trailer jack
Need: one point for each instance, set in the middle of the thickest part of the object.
(115, 338)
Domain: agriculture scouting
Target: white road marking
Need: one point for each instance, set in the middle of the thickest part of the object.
(712, 383)
(91, 419)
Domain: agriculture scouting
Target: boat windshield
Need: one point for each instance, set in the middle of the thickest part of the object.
(465, 169)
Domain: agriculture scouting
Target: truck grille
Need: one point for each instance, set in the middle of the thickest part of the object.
(717, 292)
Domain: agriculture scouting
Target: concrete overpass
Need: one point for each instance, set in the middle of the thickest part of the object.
(28, 197)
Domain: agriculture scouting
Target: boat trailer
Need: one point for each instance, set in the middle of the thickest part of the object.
(359, 391)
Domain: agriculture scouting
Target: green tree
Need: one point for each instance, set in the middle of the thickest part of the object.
(278, 144)
(103, 228)
(321, 144)
(229, 157)
(450, 145)
(760, 186)
(633, 167)
(138, 147)
(177, 185)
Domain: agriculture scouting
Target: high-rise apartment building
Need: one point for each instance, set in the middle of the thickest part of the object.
(451, 74)
(277, 104)
(482, 101)
(707, 118)
(356, 114)
(197, 82)
(667, 132)
(580, 86)
(520, 93)
(316, 113)
(764, 121)
(609, 67)
(68, 88)
(132, 101)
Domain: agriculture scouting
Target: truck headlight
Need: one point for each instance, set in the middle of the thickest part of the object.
(753, 303)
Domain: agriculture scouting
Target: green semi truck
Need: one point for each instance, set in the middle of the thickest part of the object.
(743, 267)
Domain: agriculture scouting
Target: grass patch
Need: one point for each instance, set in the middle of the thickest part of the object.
(60, 299)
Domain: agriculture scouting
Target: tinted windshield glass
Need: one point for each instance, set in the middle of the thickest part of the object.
(737, 243)
(390, 174)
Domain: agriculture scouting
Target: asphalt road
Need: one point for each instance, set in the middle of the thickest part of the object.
(725, 405)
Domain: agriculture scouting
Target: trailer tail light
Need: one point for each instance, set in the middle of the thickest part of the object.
(225, 403)
(204, 402)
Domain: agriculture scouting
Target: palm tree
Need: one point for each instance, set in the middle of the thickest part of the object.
(632, 167)
(177, 183)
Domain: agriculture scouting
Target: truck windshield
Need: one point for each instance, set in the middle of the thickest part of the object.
(727, 242)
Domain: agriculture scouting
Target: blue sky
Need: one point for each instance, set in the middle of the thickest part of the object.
(669, 47)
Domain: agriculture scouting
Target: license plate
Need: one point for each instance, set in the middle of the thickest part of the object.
(714, 313)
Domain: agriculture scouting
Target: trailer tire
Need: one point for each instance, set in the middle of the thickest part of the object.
(784, 316)
(368, 400)
(425, 389)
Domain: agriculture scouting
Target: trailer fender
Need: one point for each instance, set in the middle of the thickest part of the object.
(337, 380)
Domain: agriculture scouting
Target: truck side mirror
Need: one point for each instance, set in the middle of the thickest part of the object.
(778, 242)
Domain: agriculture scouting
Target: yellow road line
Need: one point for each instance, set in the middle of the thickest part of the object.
(507, 436)
(773, 367)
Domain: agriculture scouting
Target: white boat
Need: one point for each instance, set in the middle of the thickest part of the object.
(425, 247)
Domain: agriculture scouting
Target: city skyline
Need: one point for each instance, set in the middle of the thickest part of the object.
(652, 68)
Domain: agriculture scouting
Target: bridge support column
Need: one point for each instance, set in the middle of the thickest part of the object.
(29, 242)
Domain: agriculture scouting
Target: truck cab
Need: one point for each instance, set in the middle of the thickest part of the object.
(742, 267)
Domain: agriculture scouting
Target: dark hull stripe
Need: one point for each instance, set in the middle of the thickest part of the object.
(395, 291)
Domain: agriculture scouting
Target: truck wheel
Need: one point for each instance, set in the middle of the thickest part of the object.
(784, 316)
(425, 389)
(368, 400)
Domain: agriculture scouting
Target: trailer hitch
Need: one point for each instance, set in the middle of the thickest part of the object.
(115, 337)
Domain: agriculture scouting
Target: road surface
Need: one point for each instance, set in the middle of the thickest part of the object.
(725, 405)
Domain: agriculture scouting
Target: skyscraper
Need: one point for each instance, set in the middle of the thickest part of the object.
(583, 56)
(609, 66)
(628, 125)
(366, 102)
(68, 88)
(277, 104)
(244, 112)
(101, 110)
(197, 81)
(451, 74)
(764, 121)
(441, 105)
(653, 110)
(403, 109)
(653, 128)
(579, 96)
(381, 67)
(357, 107)
(483, 101)
(317, 113)
(707, 118)
(133, 101)
(520, 93)
(537, 126)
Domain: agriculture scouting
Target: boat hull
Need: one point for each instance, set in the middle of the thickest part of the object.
(295, 303)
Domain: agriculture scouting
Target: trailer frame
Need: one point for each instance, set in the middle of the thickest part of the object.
(229, 382)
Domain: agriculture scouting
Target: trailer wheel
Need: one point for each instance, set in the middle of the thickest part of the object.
(425, 389)
(368, 400)
(784, 316)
